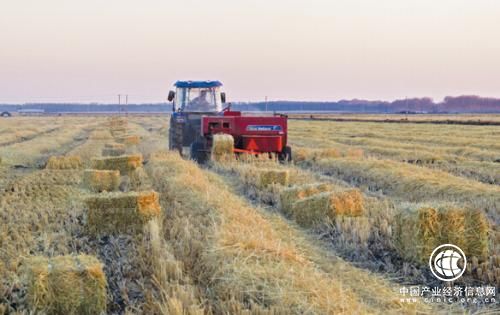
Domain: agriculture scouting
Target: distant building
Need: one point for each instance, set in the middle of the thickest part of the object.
(31, 112)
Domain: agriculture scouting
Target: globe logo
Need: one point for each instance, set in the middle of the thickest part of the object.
(447, 262)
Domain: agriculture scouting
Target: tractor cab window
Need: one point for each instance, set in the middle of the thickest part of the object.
(199, 99)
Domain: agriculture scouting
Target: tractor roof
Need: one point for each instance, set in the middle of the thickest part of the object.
(197, 84)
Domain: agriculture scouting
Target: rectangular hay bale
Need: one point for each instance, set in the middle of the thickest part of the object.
(114, 146)
(114, 149)
(269, 177)
(100, 135)
(121, 212)
(324, 206)
(416, 232)
(290, 195)
(112, 152)
(419, 229)
(65, 285)
(222, 147)
(101, 180)
(123, 163)
(64, 163)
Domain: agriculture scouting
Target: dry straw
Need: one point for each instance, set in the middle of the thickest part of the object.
(124, 163)
(128, 140)
(100, 134)
(121, 212)
(113, 149)
(290, 195)
(64, 162)
(252, 263)
(419, 229)
(327, 206)
(101, 180)
(66, 285)
(222, 147)
(114, 145)
(268, 177)
(113, 152)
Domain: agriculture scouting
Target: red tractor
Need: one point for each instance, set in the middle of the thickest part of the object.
(198, 115)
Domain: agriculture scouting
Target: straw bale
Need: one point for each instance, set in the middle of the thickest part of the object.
(64, 162)
(127, 140)
(118, 131)
(327, 205)
(113, 149)
(100, 135)
(123, 163)
(419, 229)
(222, 147)
(417, 232)
(477, 229)
(101, 180)
(301, 154)
(452, 226)
(65, 285)
(117, 122)
(290, 195)
(327, 153)
(131, 140)
(267, 177)
(113, 152)
(114, 146)
(121, 212)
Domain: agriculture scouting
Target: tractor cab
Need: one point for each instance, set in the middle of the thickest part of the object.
(190, 101)
(197, 97)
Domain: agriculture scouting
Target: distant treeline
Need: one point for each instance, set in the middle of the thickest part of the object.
(459, 104)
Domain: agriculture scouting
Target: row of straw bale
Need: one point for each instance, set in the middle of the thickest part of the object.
(77, 284)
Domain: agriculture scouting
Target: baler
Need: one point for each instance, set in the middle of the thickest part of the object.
(194, 123)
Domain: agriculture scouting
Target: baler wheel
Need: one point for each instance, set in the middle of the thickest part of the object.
(286, 155)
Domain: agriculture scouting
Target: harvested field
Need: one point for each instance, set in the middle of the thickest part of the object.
(340, 230)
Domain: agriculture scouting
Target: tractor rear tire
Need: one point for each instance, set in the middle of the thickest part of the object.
(285, 155)
(199, 153)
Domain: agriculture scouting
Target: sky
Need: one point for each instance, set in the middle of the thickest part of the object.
(317, 50)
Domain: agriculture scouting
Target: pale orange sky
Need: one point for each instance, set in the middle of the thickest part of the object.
(65, 50)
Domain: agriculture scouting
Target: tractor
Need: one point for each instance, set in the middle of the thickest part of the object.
(198, 114)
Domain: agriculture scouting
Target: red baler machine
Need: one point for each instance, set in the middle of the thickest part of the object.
(252, 134)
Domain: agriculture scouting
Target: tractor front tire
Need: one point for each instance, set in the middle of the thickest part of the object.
(199, 152)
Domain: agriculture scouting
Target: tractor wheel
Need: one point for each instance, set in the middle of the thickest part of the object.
(286, 155)
(199, 152)
(175, 138)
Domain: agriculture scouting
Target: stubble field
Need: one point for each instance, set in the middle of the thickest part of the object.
(98, 217)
